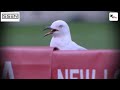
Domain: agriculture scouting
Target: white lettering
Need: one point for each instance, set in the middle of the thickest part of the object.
(72, 72)
(8, 69)
(66, 73)
(87, 73)
(105, 73)
(60, 76)
(81, 73)
(93, 73)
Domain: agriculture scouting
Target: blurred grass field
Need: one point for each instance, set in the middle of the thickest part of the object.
(88, 35)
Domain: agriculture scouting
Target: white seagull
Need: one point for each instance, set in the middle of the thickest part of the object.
(61, 37)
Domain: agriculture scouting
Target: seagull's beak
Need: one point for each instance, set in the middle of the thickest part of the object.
(47, 28)
(50, 32)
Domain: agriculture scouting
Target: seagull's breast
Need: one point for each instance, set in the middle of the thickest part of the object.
(58, 42)
(65, 44)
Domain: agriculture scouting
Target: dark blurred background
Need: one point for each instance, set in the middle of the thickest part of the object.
(90, 29)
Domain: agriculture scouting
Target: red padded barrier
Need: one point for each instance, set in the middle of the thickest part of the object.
(97, 64)
(46, 63)
(26, 62)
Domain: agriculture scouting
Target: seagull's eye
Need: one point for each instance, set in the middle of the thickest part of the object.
(60, 26)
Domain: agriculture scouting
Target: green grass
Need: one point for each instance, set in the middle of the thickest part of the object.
(89, 35)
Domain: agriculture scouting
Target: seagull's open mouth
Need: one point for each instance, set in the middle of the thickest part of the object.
(50, 32)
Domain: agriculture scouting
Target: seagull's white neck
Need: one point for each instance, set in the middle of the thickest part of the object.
(62, 35)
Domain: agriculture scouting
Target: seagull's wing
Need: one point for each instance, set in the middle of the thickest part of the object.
(76, 46)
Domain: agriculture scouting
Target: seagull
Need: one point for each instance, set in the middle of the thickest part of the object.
(61, 37)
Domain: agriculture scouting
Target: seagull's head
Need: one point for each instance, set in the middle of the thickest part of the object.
(58, 28)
